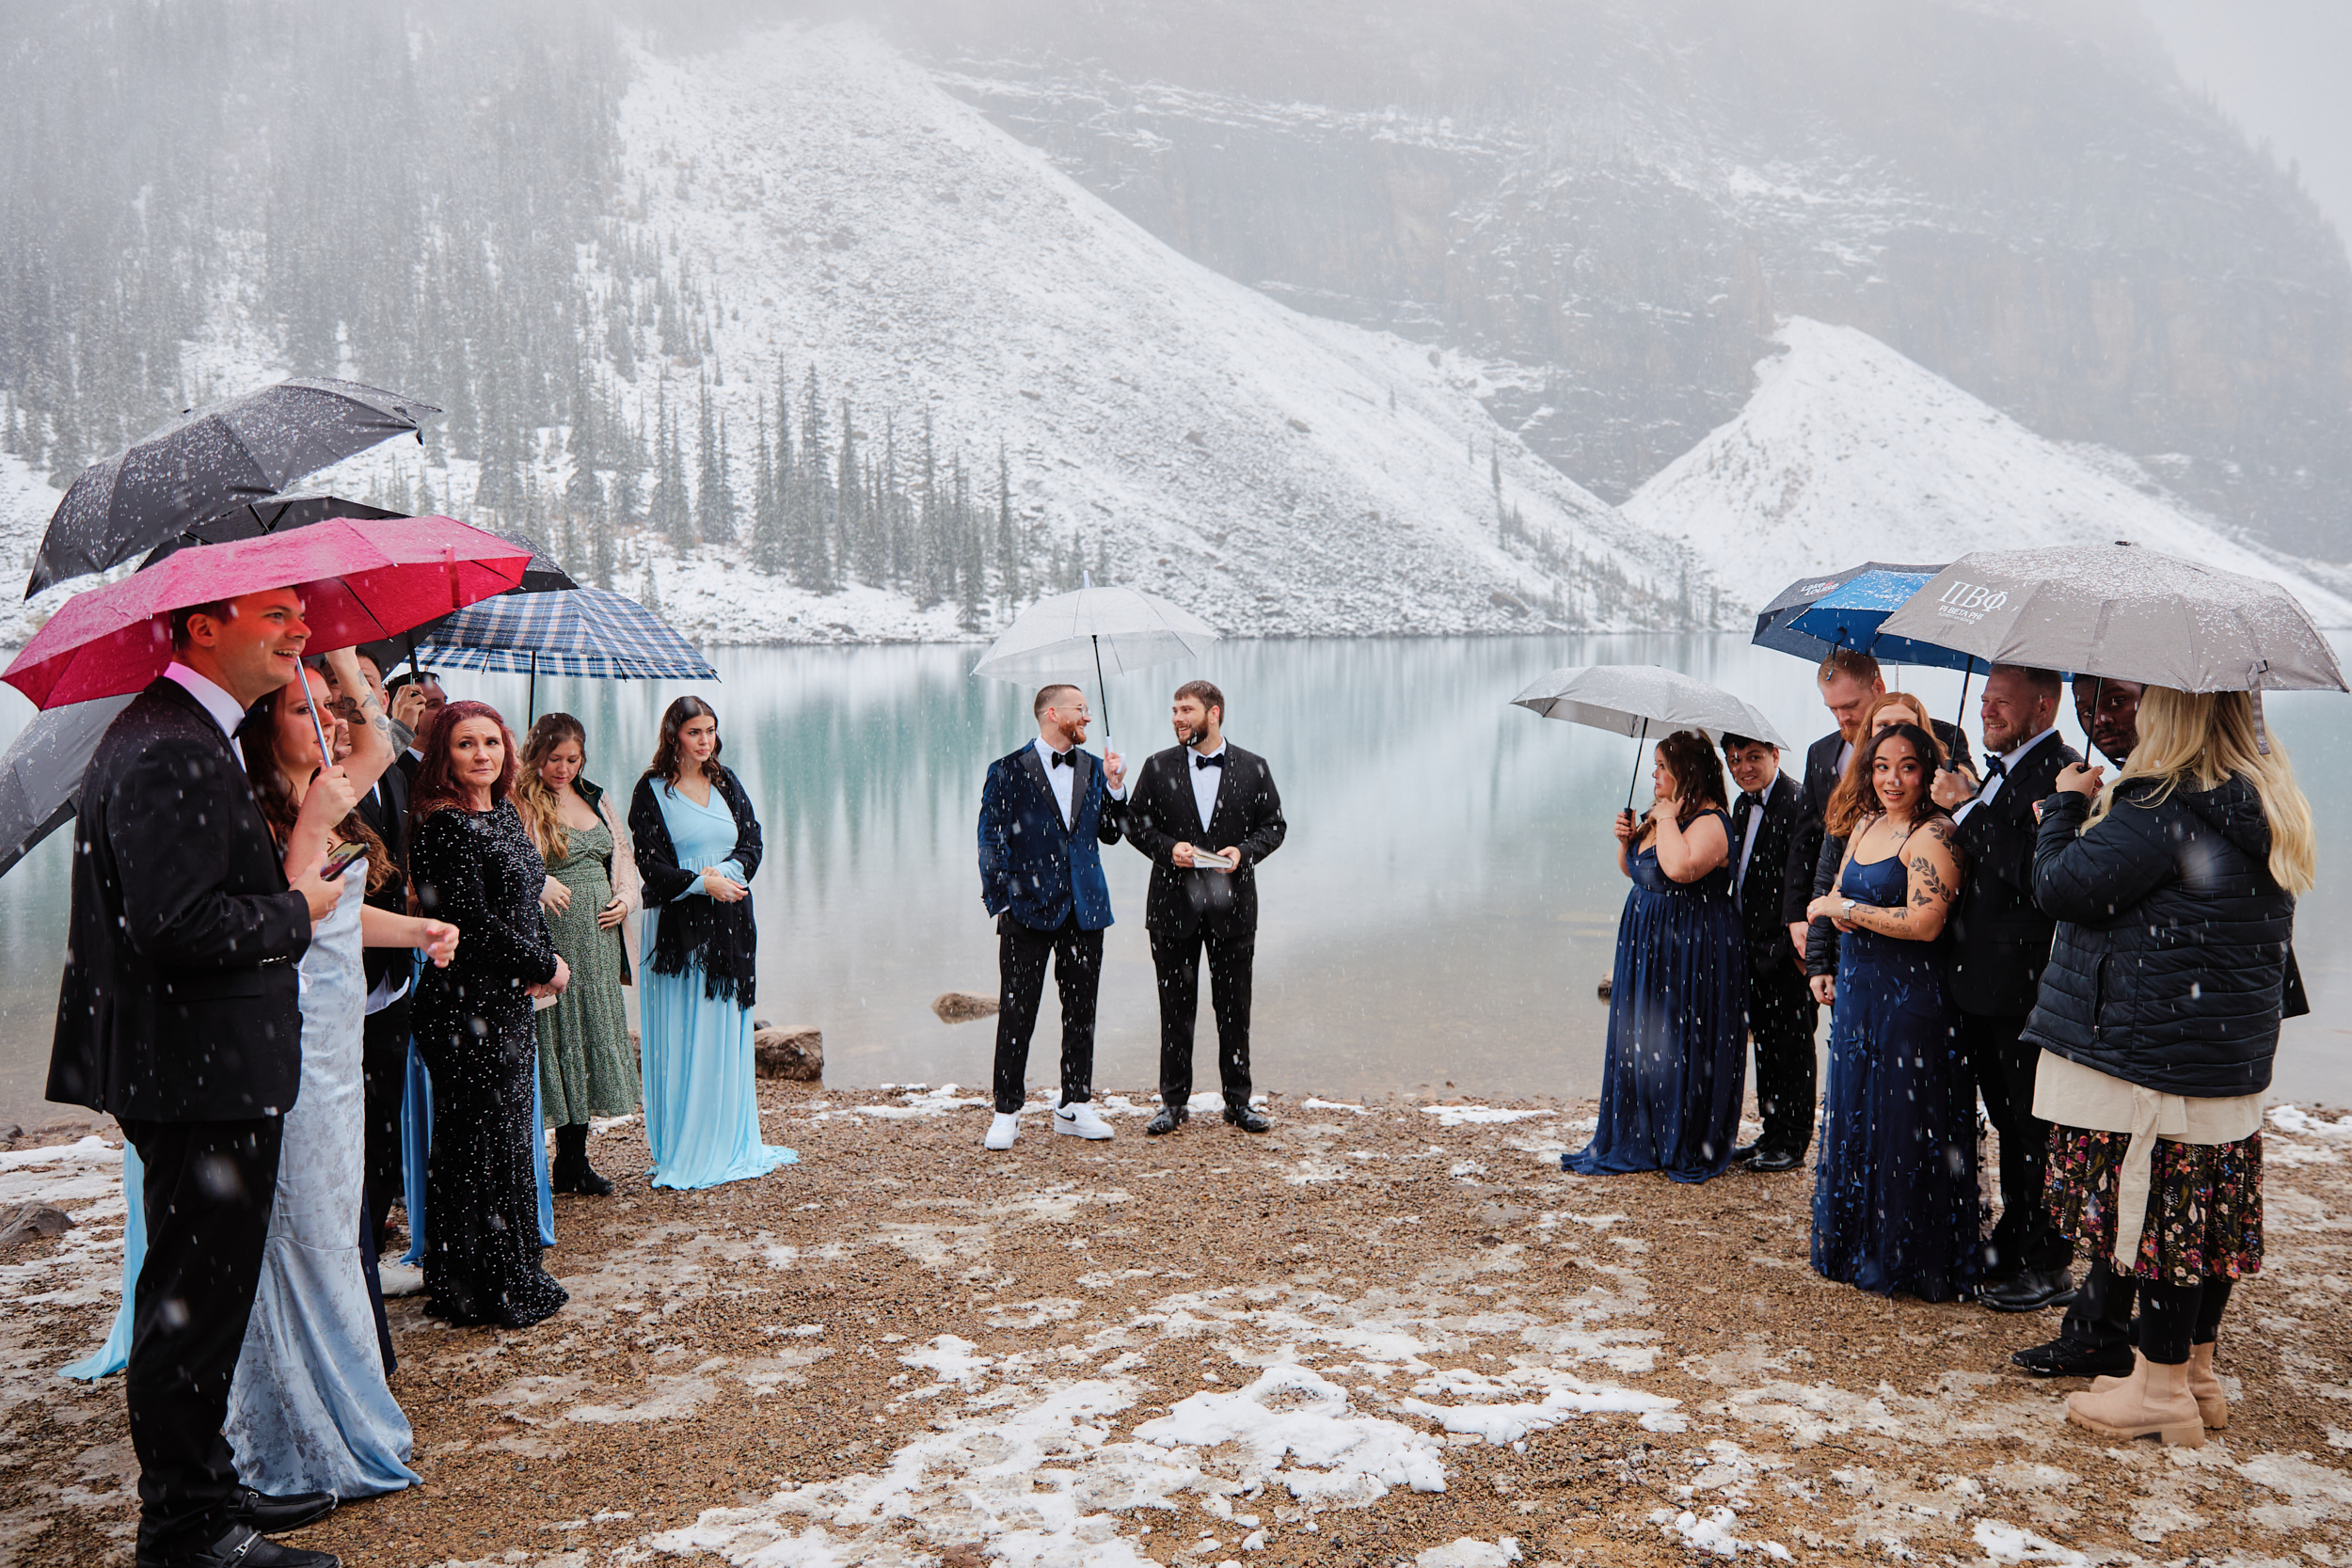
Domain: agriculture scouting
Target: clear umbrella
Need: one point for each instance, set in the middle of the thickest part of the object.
(1116, 629)
(1631, 699)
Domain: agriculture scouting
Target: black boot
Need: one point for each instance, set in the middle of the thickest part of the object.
(572, 1172)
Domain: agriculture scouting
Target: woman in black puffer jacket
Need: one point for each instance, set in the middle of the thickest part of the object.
(2158, 1021)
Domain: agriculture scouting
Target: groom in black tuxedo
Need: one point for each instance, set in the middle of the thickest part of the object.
(180, 1015)
(1782, 1015)
(1197, 793)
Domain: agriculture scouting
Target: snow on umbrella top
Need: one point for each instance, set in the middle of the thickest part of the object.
(1638, 699)
(2122, 612)
(1113, 630)
(206, 461)
(359, 580)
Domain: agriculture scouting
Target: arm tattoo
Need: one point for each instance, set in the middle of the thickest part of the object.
(1933, 890)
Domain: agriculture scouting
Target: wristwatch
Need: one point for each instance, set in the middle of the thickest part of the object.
(1846, 911)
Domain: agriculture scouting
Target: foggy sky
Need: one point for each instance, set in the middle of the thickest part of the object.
(2278, 69)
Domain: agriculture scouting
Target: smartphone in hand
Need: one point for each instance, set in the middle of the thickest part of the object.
(341, 860)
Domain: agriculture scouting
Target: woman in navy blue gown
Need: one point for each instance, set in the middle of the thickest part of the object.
(1895, 1200)
(1670, 1087)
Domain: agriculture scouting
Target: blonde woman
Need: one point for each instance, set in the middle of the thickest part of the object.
(2174, 891)
(586, 1064)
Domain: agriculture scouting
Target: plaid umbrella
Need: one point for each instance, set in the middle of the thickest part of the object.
(592, 632)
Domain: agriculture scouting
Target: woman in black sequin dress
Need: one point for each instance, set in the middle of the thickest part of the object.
(473, 865)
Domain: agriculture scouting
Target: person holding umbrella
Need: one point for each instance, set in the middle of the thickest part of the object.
(180, 1015)
(2174, 891)
(1045, 811)
(1677, 1065)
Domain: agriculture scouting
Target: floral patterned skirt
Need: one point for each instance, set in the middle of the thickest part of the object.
(2204, 1204)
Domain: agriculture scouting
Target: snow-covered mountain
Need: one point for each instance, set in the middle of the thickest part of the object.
(1847, 452)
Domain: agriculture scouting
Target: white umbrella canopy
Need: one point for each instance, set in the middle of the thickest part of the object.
(1108, 630)
(1640, 700)
(1111, 630)
(2120, 612)
(1644, 698)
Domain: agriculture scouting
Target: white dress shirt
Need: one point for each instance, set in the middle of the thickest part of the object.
(226, 710)
(1063, 781)
(1205, 786)
(1993, 784)
(1747, 844)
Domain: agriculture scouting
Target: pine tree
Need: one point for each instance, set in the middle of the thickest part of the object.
(1008, 537)
(650, 593)
(970, 562)
(813, 522)
(767, 505)
(930, 585)
(860, 521)
(718, 501)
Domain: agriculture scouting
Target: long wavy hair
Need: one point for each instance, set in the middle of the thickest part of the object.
(436, 783)
(667, 761)
(2200, 739)
(1924, 746)
(542, 813)
(1853, 799)
(274, 792)
(1698, 773)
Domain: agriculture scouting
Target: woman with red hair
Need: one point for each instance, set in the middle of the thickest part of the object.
(473, 865)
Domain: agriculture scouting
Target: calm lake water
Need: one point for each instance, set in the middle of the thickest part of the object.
(1441, 914)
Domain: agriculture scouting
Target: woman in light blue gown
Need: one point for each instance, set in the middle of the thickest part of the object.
(308, 1408)
(698, 847)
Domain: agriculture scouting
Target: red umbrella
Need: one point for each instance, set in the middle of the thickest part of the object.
(359, 581)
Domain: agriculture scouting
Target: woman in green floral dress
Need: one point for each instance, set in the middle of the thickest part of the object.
(586, 1064)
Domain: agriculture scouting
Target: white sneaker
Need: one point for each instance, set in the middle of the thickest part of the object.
(399, 1279)
(1080, 1121)
(1002, 1129)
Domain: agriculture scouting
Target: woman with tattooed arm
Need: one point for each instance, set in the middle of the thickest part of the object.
(1895, 1203)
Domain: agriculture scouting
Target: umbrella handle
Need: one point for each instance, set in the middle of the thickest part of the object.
(1637, 764)
(1960, 719)
(1102, 690)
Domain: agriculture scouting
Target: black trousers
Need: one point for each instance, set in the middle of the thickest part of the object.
(1021, 955)
(1782, 1015)
(2101, 1317)
(2004, 1067)
(208, 1193)
(1232, 949)
(384, 1066)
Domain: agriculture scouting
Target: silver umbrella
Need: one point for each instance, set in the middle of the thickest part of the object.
(1634, 698)
(2122, 612)
(1116, 629)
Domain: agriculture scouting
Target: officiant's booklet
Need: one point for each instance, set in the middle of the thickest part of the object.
(1203, 860)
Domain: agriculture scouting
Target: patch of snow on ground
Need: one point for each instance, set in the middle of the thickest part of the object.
(1478, 1116)
(1292, 1412)
(2009, 1544)
(1468, 1551)
(2295, 1119)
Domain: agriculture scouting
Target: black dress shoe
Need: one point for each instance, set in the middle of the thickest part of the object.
(243, 1547)
(1775, 1160)
(276, 1516)
(1745, 1152)
(1248, 1119)
(2064, 1357)
(2030, 1291)
(1169, 1119)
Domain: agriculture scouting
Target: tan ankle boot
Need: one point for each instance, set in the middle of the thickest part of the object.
(2154, 1401)
(2204, 1385)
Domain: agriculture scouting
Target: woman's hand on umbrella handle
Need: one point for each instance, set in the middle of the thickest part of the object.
(1628, 827)
(1825, 991)
(555, 895)
(2078, 779)
(612, 913)
(328, 799)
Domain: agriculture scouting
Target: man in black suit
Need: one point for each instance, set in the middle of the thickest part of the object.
(1200, 792)
(180, 1015)
(2000, 944)
(1849, 681)
(1781, 1011)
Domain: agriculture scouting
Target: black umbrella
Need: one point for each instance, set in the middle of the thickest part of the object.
(204, 464)
(40, 772)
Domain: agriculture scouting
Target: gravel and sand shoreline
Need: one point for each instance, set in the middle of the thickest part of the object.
(1391, 1332)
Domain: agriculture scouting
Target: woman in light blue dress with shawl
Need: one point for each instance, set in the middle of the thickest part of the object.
(698, 847)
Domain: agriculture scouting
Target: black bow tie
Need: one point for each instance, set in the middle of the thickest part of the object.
(1752, 799)
(254, 718)
(1064, 759)
(1216, 761)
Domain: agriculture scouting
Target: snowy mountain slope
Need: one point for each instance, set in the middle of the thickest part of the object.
(1279, 474)
(1849, 451)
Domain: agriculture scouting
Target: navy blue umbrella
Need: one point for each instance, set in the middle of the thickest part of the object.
(1812, 617)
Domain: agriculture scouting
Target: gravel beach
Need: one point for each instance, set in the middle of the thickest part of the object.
(1387, 1333)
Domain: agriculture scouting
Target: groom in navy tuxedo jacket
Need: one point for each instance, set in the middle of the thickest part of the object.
(1045, 814)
